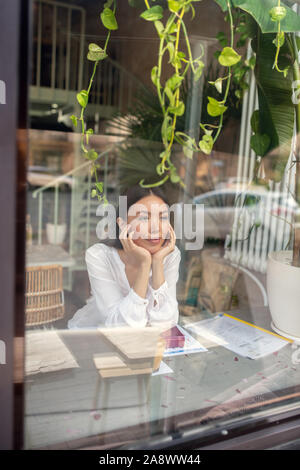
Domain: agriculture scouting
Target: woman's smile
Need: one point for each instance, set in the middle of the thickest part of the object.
(154, 241)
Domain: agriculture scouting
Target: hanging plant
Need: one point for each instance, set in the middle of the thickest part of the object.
(169, 93)
(95, 54)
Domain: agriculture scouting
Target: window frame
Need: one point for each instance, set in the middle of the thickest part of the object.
(274, 428)
(15, 29)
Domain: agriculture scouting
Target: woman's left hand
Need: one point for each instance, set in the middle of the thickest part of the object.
(167, 248)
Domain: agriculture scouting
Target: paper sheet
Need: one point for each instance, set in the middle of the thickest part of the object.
(191, 345)
(163, 369)
(46, 352)
(237, 336)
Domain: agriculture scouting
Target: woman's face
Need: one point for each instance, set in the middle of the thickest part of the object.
(149, 218)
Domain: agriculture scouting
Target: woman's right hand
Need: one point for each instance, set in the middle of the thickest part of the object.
(136, 255)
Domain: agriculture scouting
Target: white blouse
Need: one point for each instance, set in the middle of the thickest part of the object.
(113, 302)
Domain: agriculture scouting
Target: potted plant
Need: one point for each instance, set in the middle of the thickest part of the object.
(274, 125)
(56, 226)
(272, 27)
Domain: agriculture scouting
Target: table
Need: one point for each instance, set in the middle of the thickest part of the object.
(205, 387)
(42, 255)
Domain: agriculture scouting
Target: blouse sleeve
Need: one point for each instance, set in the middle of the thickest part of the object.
(116, 308)
(163, 305)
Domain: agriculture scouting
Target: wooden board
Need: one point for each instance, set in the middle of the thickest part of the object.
(136, 344)
(123, 372)
(111, 361)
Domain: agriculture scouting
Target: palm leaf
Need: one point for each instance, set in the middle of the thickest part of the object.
(276, 111)
(259, 10)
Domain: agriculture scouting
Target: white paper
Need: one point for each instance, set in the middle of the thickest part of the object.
(191, 345)
(240, 338)
(163, 369)
(46, 352)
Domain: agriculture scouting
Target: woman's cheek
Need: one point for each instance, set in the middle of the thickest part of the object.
(165, 229)
(141, 230)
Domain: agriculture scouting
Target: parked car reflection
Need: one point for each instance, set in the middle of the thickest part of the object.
(225, 207)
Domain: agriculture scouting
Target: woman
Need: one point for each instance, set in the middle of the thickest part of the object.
(133, 278)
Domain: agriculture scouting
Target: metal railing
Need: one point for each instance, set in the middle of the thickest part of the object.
(83, 171)
(60, 67)
(59, 31)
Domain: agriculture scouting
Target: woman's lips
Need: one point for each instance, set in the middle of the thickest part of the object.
(154, 241)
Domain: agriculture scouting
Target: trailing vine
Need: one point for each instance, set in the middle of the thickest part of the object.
(172, 32)
(95, 54)
(169, 94)
(277, 14)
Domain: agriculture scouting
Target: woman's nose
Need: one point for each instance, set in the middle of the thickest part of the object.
(154, 228)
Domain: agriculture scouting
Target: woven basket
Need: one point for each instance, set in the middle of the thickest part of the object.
(44, 296)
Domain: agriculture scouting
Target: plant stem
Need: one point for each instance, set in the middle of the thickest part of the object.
(229, 73)
(179, 22)
(159, 65)
(188, 45)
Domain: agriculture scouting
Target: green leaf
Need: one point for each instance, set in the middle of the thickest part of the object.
(229, 57)
(260, 143)
(188, 152)
(171, 49)
(177, 110)
(170, 95)
(215, 108)
(96, 53)
(174, 82)
(255, 122)
(108, 19)
(87, 134)
(259, 10)
(154, 75)
(223, 4)
(153, 13)
(165, 154)
(218, 84)
(159, 28)
(93, 193)
(74, 120)
(92, 155)
(206, 144)
(278, 13)
(279, 39)
(172, 29)
(99, 186)
(165, 129)
(174, 177)
(277, 114)
(174, 5)
(199, 70)
(82, 98)
(176, 61)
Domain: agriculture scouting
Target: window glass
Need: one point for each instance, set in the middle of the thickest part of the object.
(162, 235)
